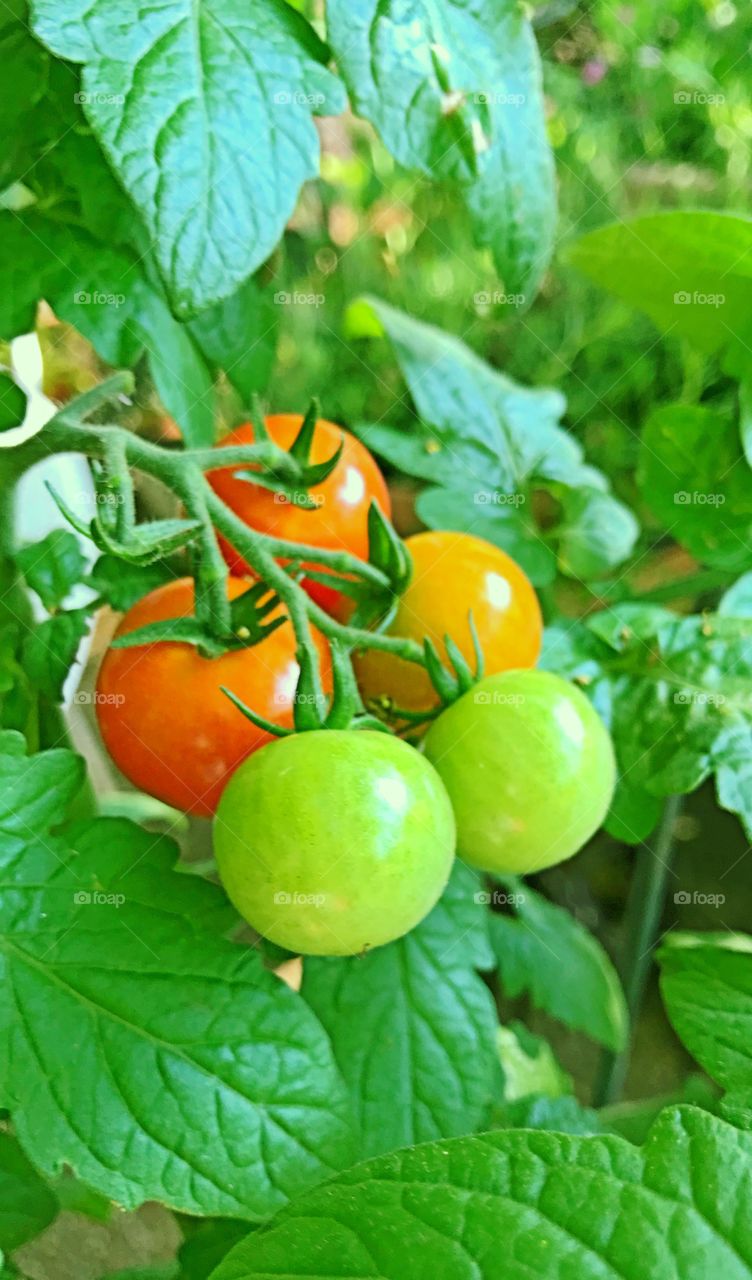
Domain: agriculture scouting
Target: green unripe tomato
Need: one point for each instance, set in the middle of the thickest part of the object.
(332, 842)
(529, 768)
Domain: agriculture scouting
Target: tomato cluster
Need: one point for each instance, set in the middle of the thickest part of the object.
(333, 841)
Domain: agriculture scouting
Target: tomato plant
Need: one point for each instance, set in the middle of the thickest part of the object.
(338, 519)
(162, 713)
(375, 640)
(332, 843)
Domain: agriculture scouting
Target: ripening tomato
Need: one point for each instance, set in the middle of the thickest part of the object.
(163, 716)
(339, 521)
(454, 573)
(334, 841)
(529, 767)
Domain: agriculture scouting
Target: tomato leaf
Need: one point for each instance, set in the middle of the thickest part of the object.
(513, 1205)
(204, 111)
(677, 696)
(413, 1026)
(121, 584)
(158, 1060)
(541, 941)
(706, 983)
(49, 650)
(27, 1205)
(694, 476)
(52, 566)
(455, 91)
(488, 443)
(689, 270)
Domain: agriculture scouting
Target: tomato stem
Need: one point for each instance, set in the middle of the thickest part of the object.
(645, 906)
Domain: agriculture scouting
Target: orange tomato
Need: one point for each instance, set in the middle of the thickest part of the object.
(454, 573)
(339, 521)
(163, 716)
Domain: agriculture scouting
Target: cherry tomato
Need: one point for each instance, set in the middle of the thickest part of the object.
(340, 520)
(529, 768)
(454, 573)
(163, 716)
(333, 841)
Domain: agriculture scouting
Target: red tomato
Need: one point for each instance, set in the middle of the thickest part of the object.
(163, 716)
(339, 521)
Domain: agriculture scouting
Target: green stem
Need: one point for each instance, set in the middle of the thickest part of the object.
(645, 905)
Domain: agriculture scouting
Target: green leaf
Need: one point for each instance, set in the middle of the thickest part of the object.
(515, 1205)
(27, 1204)
(690, 271)
(707, 990)
(542, 941)
(53, 566)
(529, 1065)
(12, 403)
(137, 1046)
(539, 1111)
(489, 443)
(122, 584)
(694, 476)
(204, 111)
(50, 649)
(239, 336)
(455, 91)
(677, 695)
(162, 1271)
(413, 1026)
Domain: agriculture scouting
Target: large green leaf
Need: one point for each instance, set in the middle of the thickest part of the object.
(27, 1205)
(52, 566)
(413, 1026)
(691, 271)
(138, 1046)
(694, 475)
(539, 944)
(204, 111)
(518, 1205)
(677, 694)
(706, 983)
(488, 443)
(455, 91)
